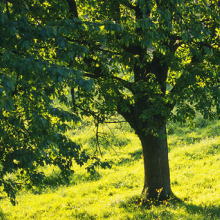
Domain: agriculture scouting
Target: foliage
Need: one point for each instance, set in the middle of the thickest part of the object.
(31, 126)
(144, 58)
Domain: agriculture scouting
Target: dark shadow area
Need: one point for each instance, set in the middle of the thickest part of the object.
(200, 128)
(208, 212)
(133, 157)
(214, 131)
(2, 215)
(49, 183)
(136, 155)
(211, 212)
(56, 180)
(145, 211)
(124, 161)
(85, 216)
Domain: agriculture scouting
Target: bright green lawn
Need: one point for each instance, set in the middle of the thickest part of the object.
(112, 194)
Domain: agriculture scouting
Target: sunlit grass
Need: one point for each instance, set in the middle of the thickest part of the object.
(113, 193)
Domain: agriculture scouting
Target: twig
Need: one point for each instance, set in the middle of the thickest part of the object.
(109, 122)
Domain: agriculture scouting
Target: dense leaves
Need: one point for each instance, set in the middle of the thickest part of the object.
(146, 60)
(164, 53)
(31, 82)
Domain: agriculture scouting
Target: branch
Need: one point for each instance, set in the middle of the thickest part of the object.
(92, 45)
(97, 138)
(128, 4)
(113, 122)
(129, 113)
(87, 111)
(126, 84)
(124, 107)
(73, 8)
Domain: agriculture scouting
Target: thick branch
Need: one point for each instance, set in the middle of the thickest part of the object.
(160, 69)
(100, 72)
(73, 8)
(126, 109)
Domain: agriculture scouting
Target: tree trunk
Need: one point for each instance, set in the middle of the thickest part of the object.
(156, 165)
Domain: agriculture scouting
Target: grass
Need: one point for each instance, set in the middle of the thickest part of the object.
(113, 193)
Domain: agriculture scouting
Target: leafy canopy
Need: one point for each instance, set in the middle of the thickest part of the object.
(138, 58)
(147, 57)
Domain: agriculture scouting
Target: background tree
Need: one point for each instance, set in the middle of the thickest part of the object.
(150, 61)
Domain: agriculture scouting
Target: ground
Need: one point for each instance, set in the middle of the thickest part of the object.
(114, 193)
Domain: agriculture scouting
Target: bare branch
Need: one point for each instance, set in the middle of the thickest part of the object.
(98, 149)
(114, 122)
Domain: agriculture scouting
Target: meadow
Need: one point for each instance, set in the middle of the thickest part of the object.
(194, 154)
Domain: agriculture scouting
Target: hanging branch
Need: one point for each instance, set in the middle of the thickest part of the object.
(98, 149)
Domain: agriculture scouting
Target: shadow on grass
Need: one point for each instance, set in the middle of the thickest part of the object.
(51, 182)
(2, 216)
(168, 210)
(136, 155)
(84, 216)
(133, 157)
(56, 180)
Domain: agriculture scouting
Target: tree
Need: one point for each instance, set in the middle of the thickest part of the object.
(150, 61)
(31, 125)
(137, 58)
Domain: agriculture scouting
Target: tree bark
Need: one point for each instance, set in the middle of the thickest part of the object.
(156, 165)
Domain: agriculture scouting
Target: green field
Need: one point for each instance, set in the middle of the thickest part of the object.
(113, 193)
